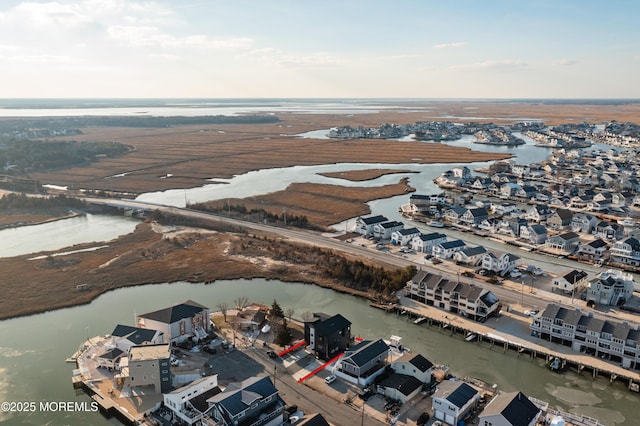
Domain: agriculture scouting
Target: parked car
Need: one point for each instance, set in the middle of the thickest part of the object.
(532, 313)
(423, 419)
(330, 379)
(515, 274)
(272, 354)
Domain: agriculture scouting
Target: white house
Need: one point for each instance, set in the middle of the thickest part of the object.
(362, 363)
(415, 365)
(188, 404)
(626, 251)
(424, 243)
(470, 255)
(124, 337)
(510, 409)
(384, 230)
(594, 250)
(610, 287)
(502, 265)
(567, 242)
(446, 249)
(570, 282)
(453, 400)
(188, 320)
(399, 387)
(364, 225)
(403, 237)
(536, 234)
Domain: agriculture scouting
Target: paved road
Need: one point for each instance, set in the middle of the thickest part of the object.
(512, 293)
(309, 400)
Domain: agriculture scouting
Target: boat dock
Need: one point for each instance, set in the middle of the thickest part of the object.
(523, 344)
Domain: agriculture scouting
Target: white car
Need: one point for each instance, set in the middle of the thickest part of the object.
(330, 379)
(515, 274)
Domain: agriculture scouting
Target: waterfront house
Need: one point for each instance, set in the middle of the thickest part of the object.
(626, 252)
(124, 337)
(539, 213)
(582, 222)
(561, 218)
(567, 242)
(619, 341)
(609, 230)
(601, 201)
(424, 243)
(501, 265)
(510, 409)
(415, 365)
(526, 192)
(149, 366)
(454, 214)
(611, 287)
(383, 231)
(447, 249)
(362, 363)
(481, 183)
(254, 401)
(188, 404)
(178, 323)
(453, 400)
(509, 189)
(399, 387)
(474, 216)
(461, 298)
(593, 250)
(490, 224)
(326, 335)
(463, 173)
(570, 282)
(364, 225)
(470, 255)
(110, 359)
(403, 237)
(536, 234)
(520, 170)
(512, 225)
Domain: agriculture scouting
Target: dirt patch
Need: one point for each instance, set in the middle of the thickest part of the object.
(321, 204)
(362, 175)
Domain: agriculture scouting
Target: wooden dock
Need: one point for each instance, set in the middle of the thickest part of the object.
(595, 366)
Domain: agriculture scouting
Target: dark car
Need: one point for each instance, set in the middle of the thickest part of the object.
(272, 354)
(423, 419)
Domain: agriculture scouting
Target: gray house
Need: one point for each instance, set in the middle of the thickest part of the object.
(363, 362)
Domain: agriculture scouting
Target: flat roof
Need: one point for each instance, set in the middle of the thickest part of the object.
(149, 352)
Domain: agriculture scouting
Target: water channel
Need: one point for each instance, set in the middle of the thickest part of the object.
(33, 348)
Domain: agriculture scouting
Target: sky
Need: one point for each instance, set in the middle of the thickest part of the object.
(319, 49)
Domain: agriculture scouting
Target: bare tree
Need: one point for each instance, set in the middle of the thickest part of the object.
(289, 313)
(241, 302)
(223, 307)
(306, 316)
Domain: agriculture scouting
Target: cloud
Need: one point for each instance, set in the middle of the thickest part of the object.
(277, 57)
(8, 47)
(40, 59)
(152, 36)
(564, 62)
(450, 45)
(506, 64)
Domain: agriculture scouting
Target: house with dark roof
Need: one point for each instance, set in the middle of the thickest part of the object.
(110, 358)
(424, 243)
(254, 401)
(570, 282)
(626, 252)
(416, 365)
(403, 237)
(446, 250)
(536, 233)
(474, 216)
(188, 404)
(559, 219)
(326, 335)
(470, 255)
(619, 341)
(502, 264)
(593, 250)
(611, 287)
(362, 363)
(187, 320)
(582, 222)
(399, 387)
(453, 400)
(364, 225)
(567, 242)
(461, 298)
(539, 213)
(124, 337)
(313, 420)
(510, 409)
(609, 230)
(384, 230)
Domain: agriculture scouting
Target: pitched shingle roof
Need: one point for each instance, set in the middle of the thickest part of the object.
(175, 313)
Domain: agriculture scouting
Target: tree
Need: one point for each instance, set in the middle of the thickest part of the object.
(307, 316)
(289, 312)
(276, 311)
(284, 337)
(241, 302)
(223, 307)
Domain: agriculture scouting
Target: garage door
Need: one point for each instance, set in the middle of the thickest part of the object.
(449, 419)
(439, 414)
